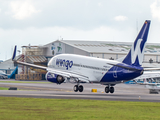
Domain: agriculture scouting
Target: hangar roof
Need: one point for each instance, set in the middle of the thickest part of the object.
(110, 46)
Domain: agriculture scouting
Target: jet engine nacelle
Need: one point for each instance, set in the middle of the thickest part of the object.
(54, 78)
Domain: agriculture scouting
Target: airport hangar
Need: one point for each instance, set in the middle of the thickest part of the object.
(40, 55)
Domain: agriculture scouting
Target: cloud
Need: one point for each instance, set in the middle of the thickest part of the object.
(22, 9)
(42, 36)
(155, 9)
(100, 4)
(120, 18)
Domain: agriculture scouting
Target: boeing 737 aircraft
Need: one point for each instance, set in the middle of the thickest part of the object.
(78, 68)
(3, 75)
(153, 87)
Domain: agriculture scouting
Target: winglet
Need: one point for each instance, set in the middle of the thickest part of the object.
(14, 53)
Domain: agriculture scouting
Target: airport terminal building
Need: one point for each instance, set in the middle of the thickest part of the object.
(40, 55)
(100, 49)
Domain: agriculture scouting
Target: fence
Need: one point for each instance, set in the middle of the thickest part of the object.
(28, 76)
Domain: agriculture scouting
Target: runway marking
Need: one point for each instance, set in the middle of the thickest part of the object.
(35, 88)
(123, 92)
(61, 95)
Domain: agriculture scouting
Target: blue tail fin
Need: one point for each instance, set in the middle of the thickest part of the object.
(136, 53)
(13, 74)
(14, 53)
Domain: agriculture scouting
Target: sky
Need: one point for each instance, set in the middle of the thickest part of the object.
(39, 22)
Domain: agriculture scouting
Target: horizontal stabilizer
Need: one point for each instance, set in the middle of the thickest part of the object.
(151, 69)
(126, 66)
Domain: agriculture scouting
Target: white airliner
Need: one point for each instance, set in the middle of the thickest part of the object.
(77, 68)
(3, 75)
(153, 87)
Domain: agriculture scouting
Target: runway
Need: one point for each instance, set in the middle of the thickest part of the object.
(123, 92)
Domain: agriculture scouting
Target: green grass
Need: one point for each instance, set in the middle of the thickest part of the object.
(67, 109)
(2, 88)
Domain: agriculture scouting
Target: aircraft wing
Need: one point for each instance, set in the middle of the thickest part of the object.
(64, 73)
(31, 65)
(59, 72)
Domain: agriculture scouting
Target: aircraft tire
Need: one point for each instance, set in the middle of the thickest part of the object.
(80, 88)
(76, 88)
(111, 90)
(107, 89)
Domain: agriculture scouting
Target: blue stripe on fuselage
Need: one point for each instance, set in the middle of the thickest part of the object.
(116, 74)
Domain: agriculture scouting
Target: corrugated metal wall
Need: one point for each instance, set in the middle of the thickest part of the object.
(72, 50)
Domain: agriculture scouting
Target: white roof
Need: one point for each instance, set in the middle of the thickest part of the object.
(110, 46)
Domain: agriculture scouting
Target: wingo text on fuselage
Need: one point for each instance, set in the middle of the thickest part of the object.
(64, 63)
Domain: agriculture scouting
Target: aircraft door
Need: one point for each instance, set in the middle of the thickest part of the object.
(115, 71)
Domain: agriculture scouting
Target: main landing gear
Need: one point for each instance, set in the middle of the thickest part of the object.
(109, 89)
(78, 88)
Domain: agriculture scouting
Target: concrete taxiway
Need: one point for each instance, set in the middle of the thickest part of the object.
(44, 89)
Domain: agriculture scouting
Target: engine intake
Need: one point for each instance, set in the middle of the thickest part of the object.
(54, 78)
(60, 79)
